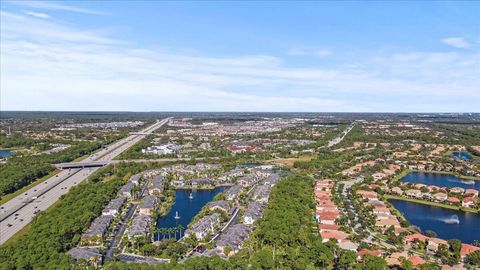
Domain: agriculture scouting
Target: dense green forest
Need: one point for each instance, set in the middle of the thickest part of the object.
(14, 141)
(20, 171)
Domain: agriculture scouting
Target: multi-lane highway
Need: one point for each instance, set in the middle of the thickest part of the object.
(19, 211)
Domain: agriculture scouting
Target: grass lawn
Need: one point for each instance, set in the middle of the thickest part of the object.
(288, 162)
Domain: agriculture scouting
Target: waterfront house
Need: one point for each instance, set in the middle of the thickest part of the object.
(457, 190)
(233, 192)
(434, 243)
(414, 238)
(397, 191)
(439, 196)
(415, 193)
(453, 200)
(469, 202)
(219, 205)
(202, 228)
(471, 192)
(140, 226)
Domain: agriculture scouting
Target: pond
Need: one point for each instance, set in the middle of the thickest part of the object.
(5, 153)
(441, 180)
(462, 155)
(447, 223)
(184, 209)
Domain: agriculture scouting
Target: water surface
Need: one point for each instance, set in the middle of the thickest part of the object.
(447, 223)
(462, 155)
(187, 208)
(5, 153)
(441, 180)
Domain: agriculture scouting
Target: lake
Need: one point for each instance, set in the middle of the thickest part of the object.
(5, 153)
(462, 155)
(441, 180)
(447, 223)
(187, 208)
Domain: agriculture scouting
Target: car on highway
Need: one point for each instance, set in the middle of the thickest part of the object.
(9, 225)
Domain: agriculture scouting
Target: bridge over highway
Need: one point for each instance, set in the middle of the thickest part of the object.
(19, 211)
(75, 165)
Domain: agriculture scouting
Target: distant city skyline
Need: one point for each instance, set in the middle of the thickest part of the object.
(240, 56)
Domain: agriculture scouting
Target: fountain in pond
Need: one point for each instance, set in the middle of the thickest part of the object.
(451, 220)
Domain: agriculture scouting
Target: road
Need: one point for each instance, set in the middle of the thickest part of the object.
(337, 140)
(123, 226)
(19, 211)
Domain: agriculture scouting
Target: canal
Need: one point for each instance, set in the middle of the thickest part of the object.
(441, 180)
(187, 208)
(447, 223)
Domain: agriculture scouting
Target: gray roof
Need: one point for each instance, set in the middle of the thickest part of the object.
(272, 179)
(204, 224)
(99, 226)
(255, 210)
(261, 192)
(115, 204)
(135, 177)
(233, 191)
(127, 187)
(84, 253)
(149, 202)
(157, 182)
(234, 236)
(140, 226)
(222, 204)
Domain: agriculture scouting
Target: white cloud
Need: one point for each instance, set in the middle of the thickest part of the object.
(456, 42)
(51, 66)
(56, 6)
(37, 14)
(319, 53)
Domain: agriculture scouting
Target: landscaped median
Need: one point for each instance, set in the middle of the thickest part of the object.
(459, 208)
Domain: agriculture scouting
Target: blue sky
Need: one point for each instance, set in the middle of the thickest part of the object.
(241, 56)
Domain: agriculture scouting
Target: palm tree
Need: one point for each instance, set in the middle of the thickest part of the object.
(180, 228)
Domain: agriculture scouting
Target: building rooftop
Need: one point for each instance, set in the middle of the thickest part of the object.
(99, 226)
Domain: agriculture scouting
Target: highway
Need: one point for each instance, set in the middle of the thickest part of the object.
(19, 211)
(340, 138)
